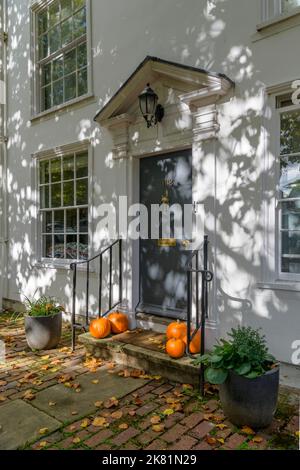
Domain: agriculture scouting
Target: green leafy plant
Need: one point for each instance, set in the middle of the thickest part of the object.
(42, 307)
(246, 354)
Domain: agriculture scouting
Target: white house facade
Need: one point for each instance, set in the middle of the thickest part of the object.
(74, 143)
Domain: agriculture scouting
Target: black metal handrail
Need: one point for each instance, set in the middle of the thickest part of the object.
(73, 267)
(206, 278)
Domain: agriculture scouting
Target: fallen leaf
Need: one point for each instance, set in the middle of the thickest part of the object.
(43, 444)
(52, 403)
(72, 428)
(78, 390)
(158, 427)
(76, 440)
(74, 413)
(95, 382)
(132, 413)
(138, 401)
(98, 404)
(64, 349)
(155, 420)
(2, 383)
(2, 398)
(208, 416)
(211, 440)
(99, 422)
(297, 434)
(221, 426)
(187, 387)
(156, 377)
(111, 365)
(117, 415)
(111, 403)
(28, 395)
(123, 426)
(43, 431)
(247, 430)
(257, 439)
(65, 378)
(218, 418)
(45, 358)
(221, 440)
(177, 407)
(168, 412)
(85, 423)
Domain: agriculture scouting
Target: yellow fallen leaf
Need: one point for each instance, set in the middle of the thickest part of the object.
(247, 430)
(28, 395)
(168, 412)
(43, 444)
(221, 440)
(52, 403)
(257, 439)
(45, 358)
(99, 422)
(85, 423)
(117, 414)
(158, 427)
(297, 434)
(76, 440)
(123, 426)
(221, 426)
(156, 377)
(2, 398)
(43, 431)
(155, 420)
(98, 404)
(95, 382)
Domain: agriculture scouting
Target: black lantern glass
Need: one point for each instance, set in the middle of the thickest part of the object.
(151, 111)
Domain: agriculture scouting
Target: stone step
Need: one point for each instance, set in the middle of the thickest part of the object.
(140, 350)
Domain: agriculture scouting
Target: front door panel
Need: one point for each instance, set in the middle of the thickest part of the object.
(163, 281)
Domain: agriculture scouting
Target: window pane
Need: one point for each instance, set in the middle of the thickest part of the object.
(291, 215)
(47, 222)
(83, 246)
(290, 133)
(55, 170)
(290, 265)
(71, 225)
(54, 39)
(288, 5)
(58, 68)
(68, 167)
(44, 197)
(70, 62)
(71, 247)
(82, 82)
(46, 74)
(291, 243)
(79, 23)
(46, 98)
(289, 182)
(43, 22)
(44, 172)
(59, 246)
(66, 8)
(78, 4)
(67, 31)
(47, 246)
(54, 15)
(68, 193)
(58, 92)
(81, 56)
(43, 46)
(56, 195)
(83, 220)
(82, 192)
(81, 165)
(59, 222)
(70, 87)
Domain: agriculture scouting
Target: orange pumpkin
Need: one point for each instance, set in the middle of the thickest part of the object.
(100, 328)
(119, 322)
(195, 344)
(176, 330)
(175, 348)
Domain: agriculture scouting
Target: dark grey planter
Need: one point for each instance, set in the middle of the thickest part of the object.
(250, 402)
(43, 332)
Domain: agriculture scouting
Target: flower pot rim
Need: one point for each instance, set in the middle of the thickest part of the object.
(43, 316)
(268, 372)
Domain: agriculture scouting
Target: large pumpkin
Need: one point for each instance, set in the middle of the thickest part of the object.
(119, 322)
(195, 344)
(176, 330)
(175, 348)
(100, 328)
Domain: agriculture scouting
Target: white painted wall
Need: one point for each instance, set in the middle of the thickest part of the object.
(216, 35)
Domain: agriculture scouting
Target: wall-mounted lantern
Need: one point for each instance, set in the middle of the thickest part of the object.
(150, 109)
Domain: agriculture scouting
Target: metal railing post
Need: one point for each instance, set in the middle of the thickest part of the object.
(74, 268)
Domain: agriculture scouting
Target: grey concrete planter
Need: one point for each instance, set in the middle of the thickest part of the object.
(43, 332)
(250, 402)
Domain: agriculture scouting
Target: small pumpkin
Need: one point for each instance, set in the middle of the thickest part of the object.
(195, 344)
(119, 322)
(175, 348)
(100, 328)
(177, 330)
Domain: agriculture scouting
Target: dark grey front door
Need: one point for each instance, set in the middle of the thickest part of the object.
(163, 283)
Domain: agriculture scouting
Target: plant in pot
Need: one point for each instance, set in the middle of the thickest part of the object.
(247, 375)
(43, 323)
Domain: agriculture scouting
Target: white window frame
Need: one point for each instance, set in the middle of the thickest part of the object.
(276, 7)
(36, 110)
(281, 275)
(65, 150)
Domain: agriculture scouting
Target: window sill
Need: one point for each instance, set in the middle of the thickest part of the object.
(277, 25)
(64, 108)
(279, 285)
(60, 266)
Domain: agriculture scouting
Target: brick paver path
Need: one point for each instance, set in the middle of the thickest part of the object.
(159, 415)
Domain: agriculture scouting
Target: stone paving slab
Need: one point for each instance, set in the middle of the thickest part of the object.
(20, 423)
(67, 400)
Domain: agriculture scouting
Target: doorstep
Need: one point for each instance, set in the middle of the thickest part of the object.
(142, 349)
